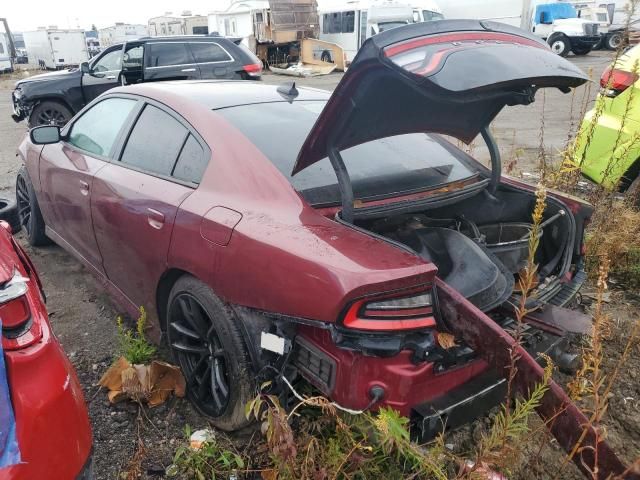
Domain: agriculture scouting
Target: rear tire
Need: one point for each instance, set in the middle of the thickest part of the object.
(29, 213)
(49, 112)
(206, 342)
(614, 40)
(560, 45)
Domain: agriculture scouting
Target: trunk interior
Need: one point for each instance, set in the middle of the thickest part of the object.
(481, 243)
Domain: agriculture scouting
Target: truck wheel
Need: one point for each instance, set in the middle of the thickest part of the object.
(560, 45)
(614, 40)
(49, 112)
(580, 51)
(211, 350)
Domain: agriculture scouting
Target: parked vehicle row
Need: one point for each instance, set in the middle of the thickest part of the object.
(55, 97)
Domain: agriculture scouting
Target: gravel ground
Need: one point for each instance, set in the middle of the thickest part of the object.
(84, 319)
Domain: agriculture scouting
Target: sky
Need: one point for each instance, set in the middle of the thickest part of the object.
(30, 14)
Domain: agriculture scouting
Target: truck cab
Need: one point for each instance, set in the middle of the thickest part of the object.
(559, 25)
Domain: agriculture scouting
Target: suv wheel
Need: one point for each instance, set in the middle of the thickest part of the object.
(49, 113)
(206, 342)
(29, 213)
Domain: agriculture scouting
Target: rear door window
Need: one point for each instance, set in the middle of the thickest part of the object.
(169, 54)
(191, 162)
(155, 142)
(209, 53)
(97, 129)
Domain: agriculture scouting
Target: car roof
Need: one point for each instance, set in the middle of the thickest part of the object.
(217, 94)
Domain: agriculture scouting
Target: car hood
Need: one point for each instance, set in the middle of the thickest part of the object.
(50, 76)
(450, 77)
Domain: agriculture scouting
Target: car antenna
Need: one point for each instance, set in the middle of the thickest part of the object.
(288, 91)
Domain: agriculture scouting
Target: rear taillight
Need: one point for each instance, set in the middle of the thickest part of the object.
(397, 312)
(615, 81)
(18, 328)
(253, 69)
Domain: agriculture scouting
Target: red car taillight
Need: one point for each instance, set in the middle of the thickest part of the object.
(18, 328)
(397, 312)
(253, 69)
(615, 81)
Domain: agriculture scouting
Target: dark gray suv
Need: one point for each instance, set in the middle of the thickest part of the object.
(53, 98)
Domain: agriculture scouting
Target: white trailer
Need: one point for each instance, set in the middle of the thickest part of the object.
(55, 48)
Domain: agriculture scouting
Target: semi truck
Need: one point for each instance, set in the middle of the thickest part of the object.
(55, 49)
(555, 22)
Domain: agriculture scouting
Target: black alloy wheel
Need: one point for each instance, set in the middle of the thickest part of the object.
(200, 353)
(24, 204)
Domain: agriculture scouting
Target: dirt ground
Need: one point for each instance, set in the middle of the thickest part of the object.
(84, 319)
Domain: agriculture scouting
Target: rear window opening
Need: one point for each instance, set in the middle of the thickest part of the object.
(387, 167)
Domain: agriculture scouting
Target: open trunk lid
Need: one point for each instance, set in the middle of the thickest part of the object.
(450, 77)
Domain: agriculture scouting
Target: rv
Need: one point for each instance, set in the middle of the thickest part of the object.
(350, 24)
(53, 48)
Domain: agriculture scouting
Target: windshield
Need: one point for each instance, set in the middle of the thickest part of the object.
(390, 166)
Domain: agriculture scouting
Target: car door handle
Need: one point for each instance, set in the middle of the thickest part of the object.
(155, 218)
(188, 70)
(84, 188)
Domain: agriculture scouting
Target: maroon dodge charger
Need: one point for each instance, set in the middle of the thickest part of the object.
(284, 231)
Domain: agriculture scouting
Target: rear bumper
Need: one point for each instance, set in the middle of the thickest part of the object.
(472, 399)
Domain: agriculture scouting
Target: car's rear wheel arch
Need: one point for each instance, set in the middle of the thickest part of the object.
(165, 284)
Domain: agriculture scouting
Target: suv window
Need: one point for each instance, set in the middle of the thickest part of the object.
(166, 54)
(154, 142)
(191, 162)
(97, 129)
(209, 52)
(108, 62)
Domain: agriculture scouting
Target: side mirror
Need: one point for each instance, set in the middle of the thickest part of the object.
(45, 135)
(84, 67)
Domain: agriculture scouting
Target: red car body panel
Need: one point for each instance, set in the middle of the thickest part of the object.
(53, 430)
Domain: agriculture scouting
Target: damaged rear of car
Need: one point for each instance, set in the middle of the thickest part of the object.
(374, 161)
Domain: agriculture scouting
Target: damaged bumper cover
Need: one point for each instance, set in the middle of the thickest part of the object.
(21, 109)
